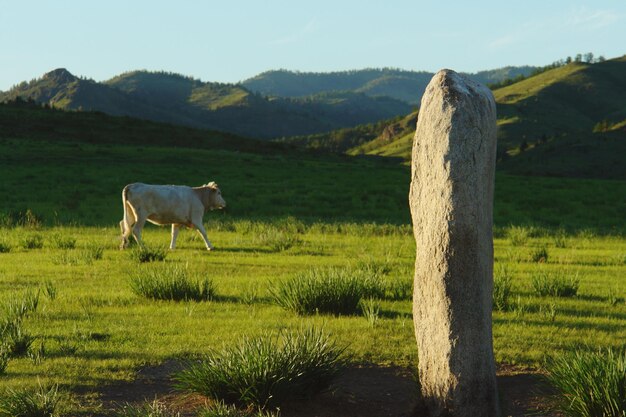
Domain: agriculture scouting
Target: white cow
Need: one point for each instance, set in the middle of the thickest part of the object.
(177, 205)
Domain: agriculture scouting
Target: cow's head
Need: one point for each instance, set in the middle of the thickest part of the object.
(215, 200)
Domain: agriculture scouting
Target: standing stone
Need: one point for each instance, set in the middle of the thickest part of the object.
(451, 199)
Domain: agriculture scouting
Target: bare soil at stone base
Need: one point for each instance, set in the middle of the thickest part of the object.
(361, 391)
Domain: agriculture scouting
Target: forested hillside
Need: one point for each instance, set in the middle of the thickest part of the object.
(173, 98)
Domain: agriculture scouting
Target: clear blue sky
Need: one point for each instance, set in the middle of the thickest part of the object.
(231, 40)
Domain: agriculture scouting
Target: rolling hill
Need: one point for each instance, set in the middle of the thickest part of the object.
(407, 86)
(68, 167)
(567, 121)
(176, 99)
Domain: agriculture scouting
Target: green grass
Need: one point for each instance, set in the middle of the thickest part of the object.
(502, 289)
(219, 409)
(547, 124)
(267, 370)
(288, 213)
(146, 254)
(41, 402)
(97, 331)
(337, 291)
(555, 284)
(590, 384)
(148, 409)
(171, 282)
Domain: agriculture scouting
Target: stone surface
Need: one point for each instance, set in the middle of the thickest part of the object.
(451, 200)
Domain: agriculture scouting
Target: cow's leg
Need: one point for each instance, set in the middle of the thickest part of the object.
(126, 225)
(138, 227)
(175, 229)
(200, 228)
(124, 239)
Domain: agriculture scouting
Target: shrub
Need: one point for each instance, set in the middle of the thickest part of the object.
(591, 384)
(333, 290)
(28, 403)
(555, 285)
(502, 289)
(171, 282)
(145, 254)
(267, 370)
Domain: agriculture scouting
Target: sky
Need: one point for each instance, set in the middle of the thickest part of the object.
(232, 40)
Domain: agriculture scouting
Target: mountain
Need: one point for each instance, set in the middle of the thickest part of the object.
(407, 86)
(176, 99)
(566, 121)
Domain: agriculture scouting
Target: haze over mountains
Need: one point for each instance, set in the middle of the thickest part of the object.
(407, 86)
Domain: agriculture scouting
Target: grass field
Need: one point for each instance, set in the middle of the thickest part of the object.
(94, 330)
(288, 213)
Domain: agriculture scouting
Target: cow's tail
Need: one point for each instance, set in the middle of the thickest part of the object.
(129, 218)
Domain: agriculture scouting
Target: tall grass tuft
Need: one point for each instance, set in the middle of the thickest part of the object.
(145, 254)
(265, 371)
(560, 238)
(151, 409)
(27, 403)
(50, 290)
(555, 284)
(331, 290)
(591, 384)
(4, 247)
(539, 255)
(32, 241)
(502, 289)
(4, 360)
(370, 309)
(171, 282)
(277, 240)
(63, 242)
(219, 409)
(15, 341)
(22, 305)
(399, 289)
(518, 235)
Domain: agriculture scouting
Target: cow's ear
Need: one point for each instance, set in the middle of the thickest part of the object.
(212, 184)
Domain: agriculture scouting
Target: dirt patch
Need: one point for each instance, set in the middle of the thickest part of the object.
(362, 391)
